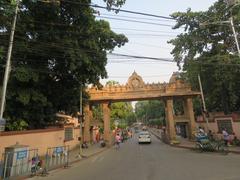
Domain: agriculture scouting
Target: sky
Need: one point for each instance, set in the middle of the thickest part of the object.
(146, 39)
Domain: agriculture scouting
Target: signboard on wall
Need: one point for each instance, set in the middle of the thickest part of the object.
(58, 150)
(22, 154)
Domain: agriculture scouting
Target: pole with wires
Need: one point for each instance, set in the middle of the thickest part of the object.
(8, 63)
(203, 101)
(235, 35)
(80, 123)
(232, 4)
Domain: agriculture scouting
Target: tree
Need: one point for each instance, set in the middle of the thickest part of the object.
(115, 3)
(56, 50)
(97, 112)
(178, 106)
(122, 111)
(150, 111)
(207, 47)
(112, 83)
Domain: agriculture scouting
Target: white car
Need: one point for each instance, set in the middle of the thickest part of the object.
(144, 137)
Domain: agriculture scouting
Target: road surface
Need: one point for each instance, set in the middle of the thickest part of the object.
(156, 161)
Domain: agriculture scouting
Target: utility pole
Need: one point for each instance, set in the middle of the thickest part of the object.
(8, 63)
(80, 122)
(235, 35)
(232, 4)
(203, 101)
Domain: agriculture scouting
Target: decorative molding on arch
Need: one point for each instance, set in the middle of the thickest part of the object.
(137, 89)
(135, 81)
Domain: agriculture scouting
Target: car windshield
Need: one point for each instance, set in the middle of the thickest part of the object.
(144, 133)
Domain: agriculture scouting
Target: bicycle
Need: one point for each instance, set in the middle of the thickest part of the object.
(204, 144)
(222, 147)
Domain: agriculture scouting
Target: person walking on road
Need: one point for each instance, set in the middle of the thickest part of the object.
(117, 141)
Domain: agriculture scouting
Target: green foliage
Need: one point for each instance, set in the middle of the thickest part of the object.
(123, 125)
(116, 3)
(178, 106)
(207, 47)
(17, 125)
(122, 111)
(131, 118)
(97, 113)
(147, 110)
(197, 106)
(112, 83)
(58, 47)
(101, 130)
(1, 52)
(156, 122)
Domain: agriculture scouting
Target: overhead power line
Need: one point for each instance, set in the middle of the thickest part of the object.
(113, 9)
(143, 35)
(135, 21)
(142, 57)
(149, 45)
(137, 17)
(135, 12)
(40, 50)
(146, 30)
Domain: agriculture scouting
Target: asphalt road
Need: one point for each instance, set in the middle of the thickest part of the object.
(155, 161)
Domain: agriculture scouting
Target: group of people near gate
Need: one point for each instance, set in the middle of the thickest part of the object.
(201, 134)
(121, 135)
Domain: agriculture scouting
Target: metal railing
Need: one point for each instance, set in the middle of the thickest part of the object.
(18, 163)
(56, 157)
(27, 162)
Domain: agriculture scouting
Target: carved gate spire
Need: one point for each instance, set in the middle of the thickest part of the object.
(135, 81)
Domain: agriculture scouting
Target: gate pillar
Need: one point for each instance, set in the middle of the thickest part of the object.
(171, 132)
(190, 114)
(87, 118)
(106, 120)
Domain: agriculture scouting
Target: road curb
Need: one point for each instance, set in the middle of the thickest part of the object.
(192, 148)
(186, 147)
(88, 156)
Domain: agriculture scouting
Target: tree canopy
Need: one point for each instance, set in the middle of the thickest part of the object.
(121, 111)
(207, 47)
(59, 46)
(152, 112)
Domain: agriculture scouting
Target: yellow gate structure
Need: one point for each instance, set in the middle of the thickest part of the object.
(136, 90)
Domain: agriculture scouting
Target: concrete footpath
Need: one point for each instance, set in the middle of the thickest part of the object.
(187, 144)
(86, 152)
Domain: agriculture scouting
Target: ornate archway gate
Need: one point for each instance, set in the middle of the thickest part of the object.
(136, 90)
